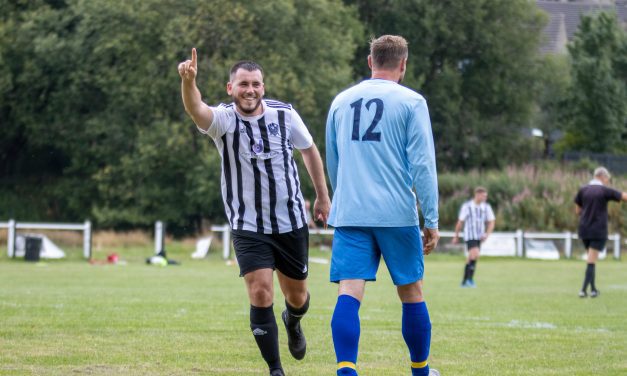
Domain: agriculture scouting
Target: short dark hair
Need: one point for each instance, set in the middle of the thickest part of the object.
(481, 190)
(387, 51)
(246, 65)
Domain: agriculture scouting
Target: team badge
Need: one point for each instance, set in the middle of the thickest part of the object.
(257, 147)
(273, 128)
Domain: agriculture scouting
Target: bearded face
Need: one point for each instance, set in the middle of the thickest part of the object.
(246, 88)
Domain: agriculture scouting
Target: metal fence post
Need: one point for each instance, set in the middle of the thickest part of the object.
(87, 240)
(11, 238)
(519, 243)
(568, 244)
(226, 242)
(617, 246)
(158, 236)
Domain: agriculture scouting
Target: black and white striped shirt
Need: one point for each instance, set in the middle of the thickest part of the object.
(475, 217)
(260, 184)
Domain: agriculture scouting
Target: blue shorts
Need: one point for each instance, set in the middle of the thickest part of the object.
(358, 250)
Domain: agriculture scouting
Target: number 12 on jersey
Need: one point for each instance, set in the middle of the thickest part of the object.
(370, 134)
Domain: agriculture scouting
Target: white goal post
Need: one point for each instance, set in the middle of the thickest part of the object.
(12, 226)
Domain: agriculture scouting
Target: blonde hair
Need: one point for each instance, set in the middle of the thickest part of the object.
(388, 51)
(481, 190)
(602, 172)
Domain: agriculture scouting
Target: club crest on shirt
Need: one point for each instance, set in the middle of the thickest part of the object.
(257, 147)
(273, 128)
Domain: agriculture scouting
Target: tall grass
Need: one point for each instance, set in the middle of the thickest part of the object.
(538, 198)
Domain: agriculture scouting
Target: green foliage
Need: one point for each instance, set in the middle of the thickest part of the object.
(93, 125)
(475, 62)
(598, 106)
(91, 109)
(552, 95)
(532, 198)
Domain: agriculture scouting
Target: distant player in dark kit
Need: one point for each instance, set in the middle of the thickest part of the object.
(474, 215)
(262, 197)
(591, 206)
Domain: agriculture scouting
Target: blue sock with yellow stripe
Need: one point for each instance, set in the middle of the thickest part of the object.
(345, 330)
(417, 335)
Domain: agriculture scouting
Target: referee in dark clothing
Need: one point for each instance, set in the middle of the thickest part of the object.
(591, 206)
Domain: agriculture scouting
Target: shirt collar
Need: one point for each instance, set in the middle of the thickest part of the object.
(595, 182)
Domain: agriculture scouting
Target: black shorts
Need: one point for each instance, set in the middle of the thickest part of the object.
(287, 252)
(598, 244)
(473, 244)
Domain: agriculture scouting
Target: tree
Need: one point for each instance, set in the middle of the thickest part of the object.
(552, 95)
(476, 64)
(90, 96)
(598, 105)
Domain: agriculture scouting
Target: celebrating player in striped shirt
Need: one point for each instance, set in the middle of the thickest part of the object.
(262, 197)
(474, 215)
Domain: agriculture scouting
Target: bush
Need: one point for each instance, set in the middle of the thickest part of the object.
(532, 198)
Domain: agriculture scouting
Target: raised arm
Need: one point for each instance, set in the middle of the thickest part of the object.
(200, 113)
(313, 163)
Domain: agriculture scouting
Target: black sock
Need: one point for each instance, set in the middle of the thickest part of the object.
(295, 314)
(266, 333)
(588, 277)
(466, 272)
(471, 269)
(592, 268)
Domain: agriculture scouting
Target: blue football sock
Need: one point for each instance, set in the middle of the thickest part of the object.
(345, 330)
(417, 335)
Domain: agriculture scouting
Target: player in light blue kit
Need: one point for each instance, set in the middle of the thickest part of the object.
(379, 149)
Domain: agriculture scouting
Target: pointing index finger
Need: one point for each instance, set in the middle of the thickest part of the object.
(194, 57)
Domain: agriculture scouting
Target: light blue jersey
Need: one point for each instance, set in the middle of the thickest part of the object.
(379, 147)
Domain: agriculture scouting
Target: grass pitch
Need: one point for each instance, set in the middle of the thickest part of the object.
(69, 317)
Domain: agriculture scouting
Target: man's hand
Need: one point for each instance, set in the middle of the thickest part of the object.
(430, 240)
(484, 237)
(322, 206)
(455, 239)
(189, 68)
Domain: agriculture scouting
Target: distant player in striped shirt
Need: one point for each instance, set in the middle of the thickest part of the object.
(262, 197)
(474, 216)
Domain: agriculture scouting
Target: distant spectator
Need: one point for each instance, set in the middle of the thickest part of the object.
(591, 206)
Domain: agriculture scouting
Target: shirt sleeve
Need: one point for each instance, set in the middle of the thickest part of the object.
(578, 199)
(613, 194)
(420, 153)
(222, 119)
(299, 135)
(490, 213)
(463, 213)
(331, 148)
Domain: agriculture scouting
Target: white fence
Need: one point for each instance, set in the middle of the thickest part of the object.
(13, 226)
(519, 235)
(224, 229)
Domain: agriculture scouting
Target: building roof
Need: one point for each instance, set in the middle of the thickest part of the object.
(564, 18)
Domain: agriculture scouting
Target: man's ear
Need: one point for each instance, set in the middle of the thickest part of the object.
(370, 62)
(229, 88)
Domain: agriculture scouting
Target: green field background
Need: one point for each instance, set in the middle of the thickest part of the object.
(70, 317)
